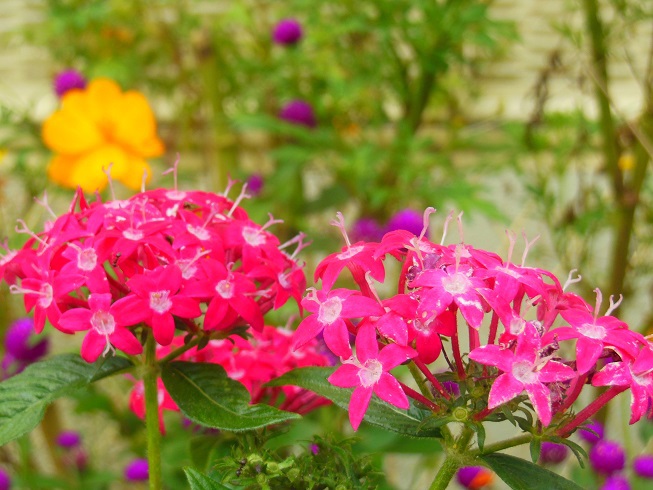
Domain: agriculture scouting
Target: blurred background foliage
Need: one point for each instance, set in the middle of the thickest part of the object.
(393, 85)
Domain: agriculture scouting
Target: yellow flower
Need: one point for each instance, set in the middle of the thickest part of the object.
(98, 126)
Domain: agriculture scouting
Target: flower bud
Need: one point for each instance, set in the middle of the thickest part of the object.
(68, 80)
(616, 482)
(592, 432)
(68, 439)
(606, 457)
(137, 470)
(553, 453)
(298, 112)
(474, 477)
(5, 481)
(406, 219)
(287, 32)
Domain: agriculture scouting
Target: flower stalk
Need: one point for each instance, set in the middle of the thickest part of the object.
(150, 380)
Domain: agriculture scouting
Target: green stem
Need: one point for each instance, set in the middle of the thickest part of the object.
(446, 473)
(180, 350)
(150, 381)
(501, 445)
(421, 382)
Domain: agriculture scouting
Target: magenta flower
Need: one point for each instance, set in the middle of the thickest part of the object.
(637, 375)
(298, 112)
(643, 466)
(406, 219)
(68, 80)
(106, 324)
(331, 310)
(523, 370)
(368, 373)
(137, 470)
(287, 32)
(607, 457)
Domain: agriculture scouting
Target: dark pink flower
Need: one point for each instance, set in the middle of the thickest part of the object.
(68, 80)
(287, 32)
(368, 372)
(298, 112)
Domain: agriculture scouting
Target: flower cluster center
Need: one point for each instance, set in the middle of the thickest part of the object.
(370, 373)
(330, 311)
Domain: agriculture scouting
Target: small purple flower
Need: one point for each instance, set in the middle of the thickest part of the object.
(68, 439)
(594, 434)
(606, 457)
(137, 470)
(68, 80)
(315, 449)
(643, 466)
(616, 482)
(19, 341)
(366, 229)
(287, 32)
(406, 219)
(553, 453)
(298, 112)
(5, 481)
(255, 184)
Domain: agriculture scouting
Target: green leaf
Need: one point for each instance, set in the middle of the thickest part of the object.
(198, 481)
(26, 395)
(207, 396)
(536, 449)
(406, 422)
(520, 474)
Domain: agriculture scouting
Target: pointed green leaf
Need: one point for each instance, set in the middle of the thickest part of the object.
(536, 449)
(207, 396)
(198, 481)
(26, 395)
(379, 413)
(520, 474)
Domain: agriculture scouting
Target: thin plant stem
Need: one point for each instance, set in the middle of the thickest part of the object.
(180, 350)
(501, 445)
(150, 381)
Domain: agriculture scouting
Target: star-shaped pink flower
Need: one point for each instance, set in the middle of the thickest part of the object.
(369, 373)
(523, 370)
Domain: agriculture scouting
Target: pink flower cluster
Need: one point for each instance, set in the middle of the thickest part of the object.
(252, 362)
(447, 292)
(163, 259)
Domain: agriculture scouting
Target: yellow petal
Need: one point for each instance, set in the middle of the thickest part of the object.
(60, 170)
(71, 132)
(102, 95)
(88, 170)
(134, 126)
(137, 167)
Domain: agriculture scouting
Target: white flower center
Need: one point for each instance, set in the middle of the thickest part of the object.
(199, 232)
(329, 311)
(517, 326)
(422, 327)
(225, 289)
(524, 371)
(253, 236)
(370, 373)
(103, 322)
(456, 284)
(349, 253)
(175, 195)
(133, 234)
(46, 296)
(592, 331)
(160, 301)
(87, 259)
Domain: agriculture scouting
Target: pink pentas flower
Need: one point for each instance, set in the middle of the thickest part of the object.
(106, 324)
(330, 311)
(636, 374)
(524, 370)
(368, 372)
(158, 296)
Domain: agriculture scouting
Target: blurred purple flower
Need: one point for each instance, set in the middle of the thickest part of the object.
(553, 453)
(298, 112)
(616, 482)
(137, 470)
(68, 439)
(452, 388)
(315, 449)
(366, 229)
(408, 220)
(5, 481)
(643, 466)
(68, 80)
(594, 435)
(607, 457)
(19, 341)
(255, 184)
(287, 32)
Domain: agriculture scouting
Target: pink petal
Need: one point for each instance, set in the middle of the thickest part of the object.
(249, 310)
(504, 389)
(126, 341)
(471, 308)
(587, 352)
(493, 355)
(99, 301)
(528, 343)
(540, 397)
(429, 347)
(76, 319)
(130, 310)
(556, 371)
(346, 376)
(367, 346)
(215, 313)
(389, 390)
(336, 337)
(644, 361)
(613, 374)
(93, 345)
(185, 307)
(360, 400)
(307, 330)
(163, 327)
(639, 402)
(357, 306)
(393, 327)
(392, 355)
